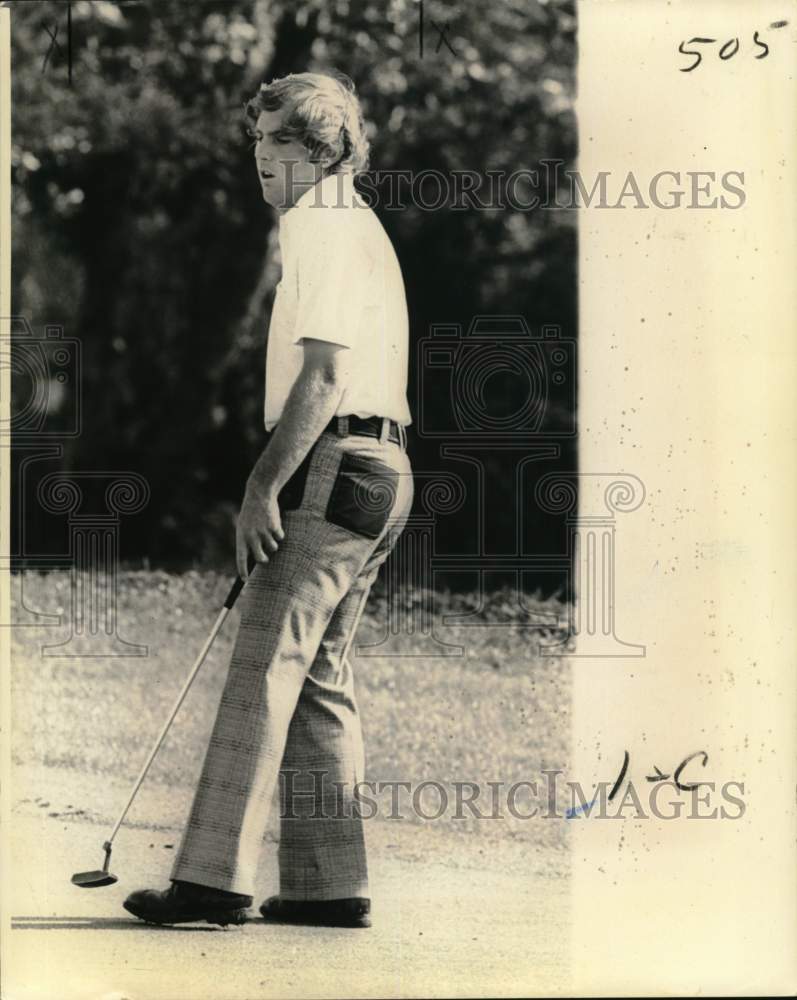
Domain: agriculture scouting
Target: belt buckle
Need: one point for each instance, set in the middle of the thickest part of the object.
(385, 431)
(343, 427)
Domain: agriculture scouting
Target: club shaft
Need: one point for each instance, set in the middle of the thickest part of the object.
(181, 697)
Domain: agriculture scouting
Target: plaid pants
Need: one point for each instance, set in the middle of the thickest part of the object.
(288, 703)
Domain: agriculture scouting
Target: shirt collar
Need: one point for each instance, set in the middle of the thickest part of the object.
(334, 190)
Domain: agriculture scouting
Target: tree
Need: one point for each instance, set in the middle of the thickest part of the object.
(138, 224)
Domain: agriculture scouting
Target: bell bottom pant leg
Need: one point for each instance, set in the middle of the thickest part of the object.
(287, 607)
(322, 852)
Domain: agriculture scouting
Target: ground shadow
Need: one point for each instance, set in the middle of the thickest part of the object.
(99, 924)
(54, 923)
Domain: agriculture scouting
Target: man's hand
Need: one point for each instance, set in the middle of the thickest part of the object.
(309, 407)
(258, 529)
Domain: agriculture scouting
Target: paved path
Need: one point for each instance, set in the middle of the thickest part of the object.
(454, 915)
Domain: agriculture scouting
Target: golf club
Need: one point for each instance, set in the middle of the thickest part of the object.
(101, 876)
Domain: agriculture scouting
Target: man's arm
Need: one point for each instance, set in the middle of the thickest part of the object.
(310, 406)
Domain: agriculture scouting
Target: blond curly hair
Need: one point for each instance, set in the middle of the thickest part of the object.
(322, 112)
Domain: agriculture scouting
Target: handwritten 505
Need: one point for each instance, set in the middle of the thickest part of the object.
(727, 50)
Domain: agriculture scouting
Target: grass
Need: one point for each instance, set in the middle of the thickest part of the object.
(498, 712)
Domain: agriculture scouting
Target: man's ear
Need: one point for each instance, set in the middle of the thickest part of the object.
(322, 160)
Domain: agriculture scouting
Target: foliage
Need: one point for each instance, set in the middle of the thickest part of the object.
(138, 222)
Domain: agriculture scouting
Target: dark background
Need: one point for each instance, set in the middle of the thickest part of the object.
(139, 227)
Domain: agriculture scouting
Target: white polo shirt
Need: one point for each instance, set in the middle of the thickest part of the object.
(341, 282)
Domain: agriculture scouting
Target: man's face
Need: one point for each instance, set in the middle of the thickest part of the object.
(283, 163)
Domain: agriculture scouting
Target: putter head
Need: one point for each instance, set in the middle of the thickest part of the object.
(100, 876)
(93, 880)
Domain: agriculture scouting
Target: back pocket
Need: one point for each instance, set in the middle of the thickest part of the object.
(363, 496)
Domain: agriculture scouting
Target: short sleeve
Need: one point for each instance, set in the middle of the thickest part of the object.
(332, 272)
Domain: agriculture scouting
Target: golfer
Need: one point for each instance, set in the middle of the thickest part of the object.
(323, 507)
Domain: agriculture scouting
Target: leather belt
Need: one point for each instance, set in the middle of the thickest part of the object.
(367, 427)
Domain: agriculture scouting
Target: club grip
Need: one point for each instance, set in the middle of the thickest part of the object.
(235, 590)
(238, 586)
